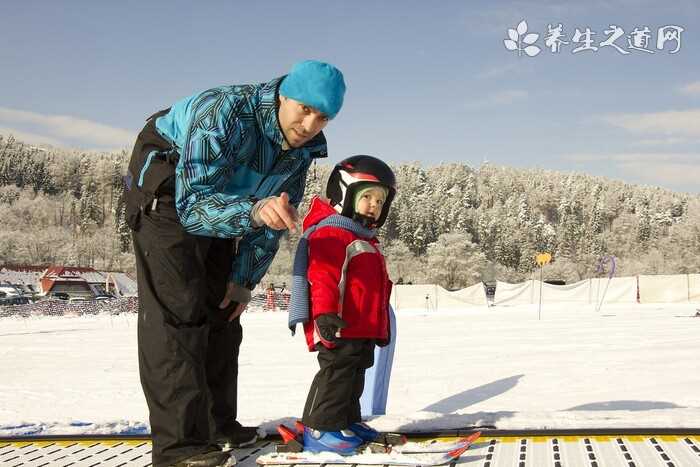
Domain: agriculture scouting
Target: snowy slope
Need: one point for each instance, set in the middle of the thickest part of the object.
(627, 366)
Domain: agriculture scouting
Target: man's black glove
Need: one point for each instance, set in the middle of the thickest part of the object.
(328, 327)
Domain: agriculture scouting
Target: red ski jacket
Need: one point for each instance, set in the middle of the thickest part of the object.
(347, 275)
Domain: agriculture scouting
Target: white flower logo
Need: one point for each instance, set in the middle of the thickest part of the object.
(521, 41)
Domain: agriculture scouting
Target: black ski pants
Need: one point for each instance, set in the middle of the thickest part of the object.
(333, 402)
(187, 350)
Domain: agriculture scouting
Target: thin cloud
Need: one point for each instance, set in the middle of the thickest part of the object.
(691, 89)
(499, 16)
(60, 128)
(670, 141)
(670, 123)
(510, 69)
(669, 174)
(498, 99)
(670, 169)
(28, 137)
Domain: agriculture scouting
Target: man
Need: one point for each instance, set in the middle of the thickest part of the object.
(213, 183)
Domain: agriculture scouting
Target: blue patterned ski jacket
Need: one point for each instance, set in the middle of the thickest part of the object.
(230, 146)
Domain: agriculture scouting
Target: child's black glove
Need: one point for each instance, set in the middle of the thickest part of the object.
(328, 326)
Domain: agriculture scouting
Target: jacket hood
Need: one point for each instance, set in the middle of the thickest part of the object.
(318, 210)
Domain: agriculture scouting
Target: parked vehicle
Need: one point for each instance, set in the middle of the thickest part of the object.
(78, 299)
(107, 296)
(59, 295)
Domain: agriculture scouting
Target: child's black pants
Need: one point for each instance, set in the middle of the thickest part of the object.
(333, 402)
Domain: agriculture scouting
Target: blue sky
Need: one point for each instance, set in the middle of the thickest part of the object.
(427, 81)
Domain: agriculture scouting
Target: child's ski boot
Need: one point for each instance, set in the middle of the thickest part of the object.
(303, 438)
(370, 435)
(343, 442)
(365, 432)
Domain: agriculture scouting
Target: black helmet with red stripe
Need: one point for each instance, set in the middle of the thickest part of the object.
(353, 174)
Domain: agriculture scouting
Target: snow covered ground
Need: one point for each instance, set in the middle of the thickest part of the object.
(625, 366)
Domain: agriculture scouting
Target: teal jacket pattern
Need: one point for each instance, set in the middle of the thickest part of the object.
(230, 146)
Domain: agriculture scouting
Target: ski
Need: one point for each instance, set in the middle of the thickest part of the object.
(434, 445)
(370, 455)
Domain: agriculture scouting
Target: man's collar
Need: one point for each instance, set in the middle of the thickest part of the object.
(268, 109)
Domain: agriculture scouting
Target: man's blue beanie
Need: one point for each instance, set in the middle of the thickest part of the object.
(316, 84)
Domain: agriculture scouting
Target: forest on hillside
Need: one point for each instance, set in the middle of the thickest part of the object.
(450, 224)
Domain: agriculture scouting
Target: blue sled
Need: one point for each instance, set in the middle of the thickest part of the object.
(373, 400)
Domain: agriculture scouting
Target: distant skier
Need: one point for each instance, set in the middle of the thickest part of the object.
(342, 273)
(269, 298)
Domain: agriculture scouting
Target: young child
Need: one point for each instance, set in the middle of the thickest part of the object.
(348, 298)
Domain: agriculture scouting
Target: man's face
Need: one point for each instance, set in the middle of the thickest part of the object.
(299, 122)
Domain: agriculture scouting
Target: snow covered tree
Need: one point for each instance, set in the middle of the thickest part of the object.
(454, 261)
(509, 214)
(644, 228)
(402, 265)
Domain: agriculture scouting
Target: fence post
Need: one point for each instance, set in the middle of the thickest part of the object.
(436, 297)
